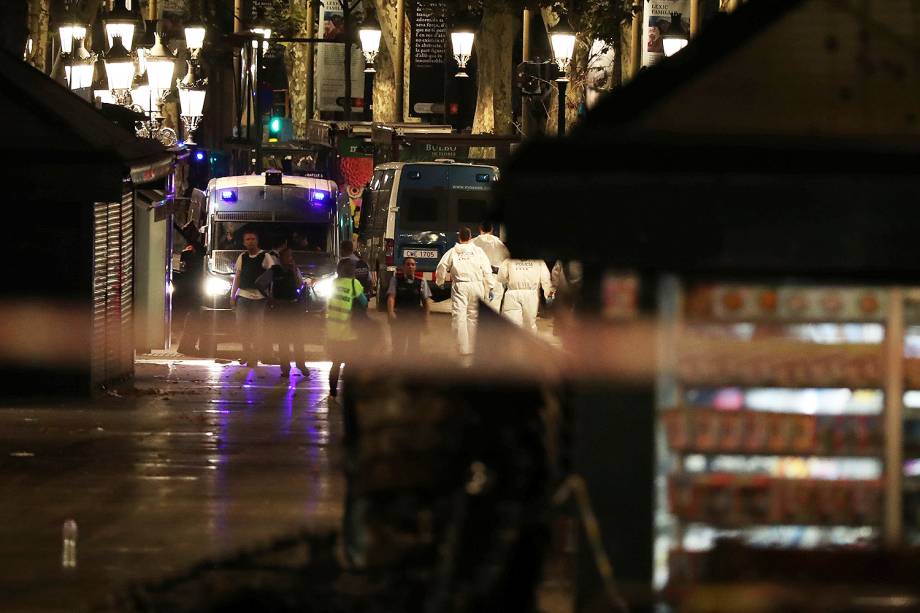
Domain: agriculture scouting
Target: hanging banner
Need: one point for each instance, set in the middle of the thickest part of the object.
(657, 20)
(330, 72)
(428, 21)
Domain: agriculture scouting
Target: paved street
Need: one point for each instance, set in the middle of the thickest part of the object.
(201, 459)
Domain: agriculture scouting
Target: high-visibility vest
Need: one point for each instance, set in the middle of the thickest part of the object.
(338, 310)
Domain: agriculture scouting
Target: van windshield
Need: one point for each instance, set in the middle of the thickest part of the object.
(310, 237)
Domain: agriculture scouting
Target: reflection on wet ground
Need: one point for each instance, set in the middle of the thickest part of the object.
(200, 459)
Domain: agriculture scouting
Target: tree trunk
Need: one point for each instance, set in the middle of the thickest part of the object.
(495, 71)
(295, 61)
(39, 14)
(385, 80)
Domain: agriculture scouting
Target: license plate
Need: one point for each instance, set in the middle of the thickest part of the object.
(430, 254)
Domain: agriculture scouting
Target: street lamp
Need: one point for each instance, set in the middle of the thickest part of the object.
(369, 33)
(119, 69)
(68, 31)
(563, 39)
(70, 28)
(192, 92)
(101, 91)
(461, 39)
(161, 67)
(676, 38)
(79, 70)
(120, 21)
(194, 37)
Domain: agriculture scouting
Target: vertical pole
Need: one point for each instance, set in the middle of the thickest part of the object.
(398, 61)
(152, 10)
(562, 84)
(893, 528)
(635, 42)
(258, 106)
(311, 32)
(369, 95)
(527, 119)
(694, 18)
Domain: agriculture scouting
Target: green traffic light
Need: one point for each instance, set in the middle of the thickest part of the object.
(274, 126)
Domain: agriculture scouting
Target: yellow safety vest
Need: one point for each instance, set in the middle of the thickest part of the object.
(338, 310)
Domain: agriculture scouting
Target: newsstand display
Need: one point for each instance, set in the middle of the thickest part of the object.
(787, 424)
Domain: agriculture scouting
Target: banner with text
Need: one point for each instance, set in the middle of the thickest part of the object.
(330, 71)
(657, 20)
(428, 20)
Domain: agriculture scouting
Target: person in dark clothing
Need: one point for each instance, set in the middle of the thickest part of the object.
(287, 312)
(189, 288)
(362, 270)
(408, 305)
(247, 300)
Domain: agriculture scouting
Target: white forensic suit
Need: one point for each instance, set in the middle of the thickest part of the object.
(497, 253)
(523, 279)
(471, 279)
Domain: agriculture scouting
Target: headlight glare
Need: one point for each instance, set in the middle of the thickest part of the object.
(324, 287)
(215, 286)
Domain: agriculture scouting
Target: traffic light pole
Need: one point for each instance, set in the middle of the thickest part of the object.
(258, 107)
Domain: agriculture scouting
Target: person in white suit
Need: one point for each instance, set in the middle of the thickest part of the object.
(497, 253)
(471, 280)
(523, 279)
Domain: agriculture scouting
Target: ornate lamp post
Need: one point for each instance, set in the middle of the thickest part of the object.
(461, 39)
(194, 37)
(192, 92)
(79, 71)
(119, 69)
(121, 21)
(563, 39)
(161, 67)
(369, 33)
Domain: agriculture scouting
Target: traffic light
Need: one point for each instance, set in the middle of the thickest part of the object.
(278, 129)
(274, 128)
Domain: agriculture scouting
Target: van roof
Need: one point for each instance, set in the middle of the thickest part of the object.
(397, 165)
(259, 180)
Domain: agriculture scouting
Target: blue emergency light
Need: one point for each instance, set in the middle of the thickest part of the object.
(319, 196)
(199, 156)
(228, 195)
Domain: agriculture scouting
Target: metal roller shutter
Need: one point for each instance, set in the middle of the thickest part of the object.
(127, 284)
(100, 260)
(113, 291)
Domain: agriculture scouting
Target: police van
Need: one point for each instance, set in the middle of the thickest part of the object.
(414, 209)
(302, 212)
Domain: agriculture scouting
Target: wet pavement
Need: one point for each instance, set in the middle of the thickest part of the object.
(200, 459)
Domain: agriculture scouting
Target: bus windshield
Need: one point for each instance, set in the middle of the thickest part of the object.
(309, 237)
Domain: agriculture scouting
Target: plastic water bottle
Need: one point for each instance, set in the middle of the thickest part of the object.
(69, 552)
